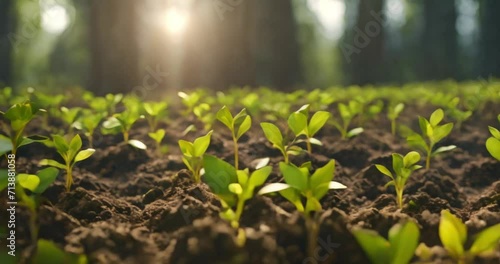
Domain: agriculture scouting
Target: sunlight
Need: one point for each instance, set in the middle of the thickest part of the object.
(330, 14)
(176, 21)
(55, 19)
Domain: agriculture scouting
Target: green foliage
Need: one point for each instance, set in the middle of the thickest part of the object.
(70, 151)
(432, 133)
(493, 143)
(48, 252)
(453, 234)
(158, 136)
(106, 104)
(397, 249)
(88, 123)
(238, 125)
(70, 115)
(154, 111)
(402, 167)
(347, 113)
(300, 125)
(204, 115)
(273, 134)
(192, 154)
(123, 122)
(393, 113)
(189, 100)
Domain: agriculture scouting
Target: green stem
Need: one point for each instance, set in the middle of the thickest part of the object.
(235, 143)
(428, 158)
(312, 235)
(308, 144)
(125, 136)
(399, 194)
(69, 178)
(393, 127)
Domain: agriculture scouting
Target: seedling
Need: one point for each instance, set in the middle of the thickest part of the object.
(493, 143)
(453, 234)
(71, 153)
(305, 191)
(202, 112)
(19, 116)
(402, 167)
(189, 100)
(457, 114)
(233, 188)
(192, 154)
(103, 104)
(88, 122)
(154, 110)
(36, 184)
(299, 124)
(69, 116)
(397, 249)
(273, 134)
(238, 125)
(123, 122)
(432, 133)
(347, 113)
(158, 136)
(393, 113)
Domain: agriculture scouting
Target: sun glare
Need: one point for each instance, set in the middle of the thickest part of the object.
(55, 19)
(176, 21)
(330, 14)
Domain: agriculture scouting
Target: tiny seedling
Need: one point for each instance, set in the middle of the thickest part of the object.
(202, 112)
(192, 154)
(189, 100)
(300, 186)
(453, 234)
(432, 133)
(71, 153)
(397, 249)
(233, 187)
(154, 111)
(106, 104)
(123, 122)
(457, 114)
(299, 124)
(69, 116)
(273, 134)
(393, 113)
(88, 122)
(238, 125)
(347, 113)
(158, 136)
(493, 143)
(402, 167)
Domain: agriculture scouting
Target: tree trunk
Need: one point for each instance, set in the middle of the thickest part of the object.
(490, 38)
(6, 28)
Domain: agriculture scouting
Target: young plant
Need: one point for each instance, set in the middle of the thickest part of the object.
(106, 104)
(393, 113)
(305, 192)
(88, 122)
(154, 110)
(299, 124)
(69, 116)
(123, 122)
(192, 154)
(397, 249)
(453, 234)
(238, 125)
(432, 133)
(402, 167)
(189, 100)
(71, 153)
(233, 187)
(347, 113)
(158, 136)
(273, 134)
(493, 143)
(202, 112)
(19, 116)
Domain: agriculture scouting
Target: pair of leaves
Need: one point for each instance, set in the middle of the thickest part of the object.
(394, 111)
(197, 148)
(402, 166)
(398, 249)
(158, 135)
(299, 124)
(155, 108)
(69, 151)
(239, 124)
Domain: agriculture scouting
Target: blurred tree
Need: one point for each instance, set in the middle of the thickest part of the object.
(114, 46)
(6, 28)
(439, 41)
(490, 38)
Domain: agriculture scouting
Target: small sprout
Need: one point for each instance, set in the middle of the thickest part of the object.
(202, 112)
(402, 167)
(347, 113)
(192, 154)
(155, 111)
(273, 134)
(189, 100)
(123, 122)
(299, 124)
(457, 114)
(493, 143)
(71, 154)
(453, 235)
(238, 125)
(88, 122)
(233, 187)
(393, 113)
(397, 249)
(432, 133)
(106, 104)
(70, 116)
(158, 136)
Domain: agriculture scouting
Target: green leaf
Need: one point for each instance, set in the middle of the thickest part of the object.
(158, 135)
(47, 176)
(494, 132)
(60, 144)
(218, 174)
(244, 127)
(390, 183)
(443, 149)
(297, 123)
(322, 175)
(225, 116)
(493, 147)
(242, 177)
(187, 148)
(274, 187)
(259, 176)
(416, 141)
(4, 179)
(411, 158)
(354, 132)
(452, 233)
(75, 144)
(294, 176)
(137, 144)
(273, 134)
(376, 247)
(404, 240)
(318, 120)
(293, 196)
(201, 144)
(84, 154)
(436, 117)
(28, 181)
(5, 144)
(486, 241)
(383, 169)
(313, 205)
(424, 125)
(235, 188)
(441, 131)
(397, 163)
(48, 252)
(53, 163)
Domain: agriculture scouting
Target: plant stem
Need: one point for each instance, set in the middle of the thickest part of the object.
(33, 227)
(312, 235)
(235, 142)
(399, 194)
(393, 127)
(69, 178)
(308, 144)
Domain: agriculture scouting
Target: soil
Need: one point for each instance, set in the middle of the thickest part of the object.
(134, 206)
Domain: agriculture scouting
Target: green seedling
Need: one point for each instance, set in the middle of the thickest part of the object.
(393, 113)
(453, 234)
(192, 154)
(397, 249)
(457, 114)
(36, 184)
(493, 143)
(123, 122)
(238, 125)
(347, 113)
(273, 134)
(155, 111)
(158, 136)
(402, 167)
(202, 112)
(305, 192)
(69, 116)
(71, 153)
(88, 122)
(19, 116)
(299, 124)
(106, 104)
(233, 188)
(189, 100)
(432, 133)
